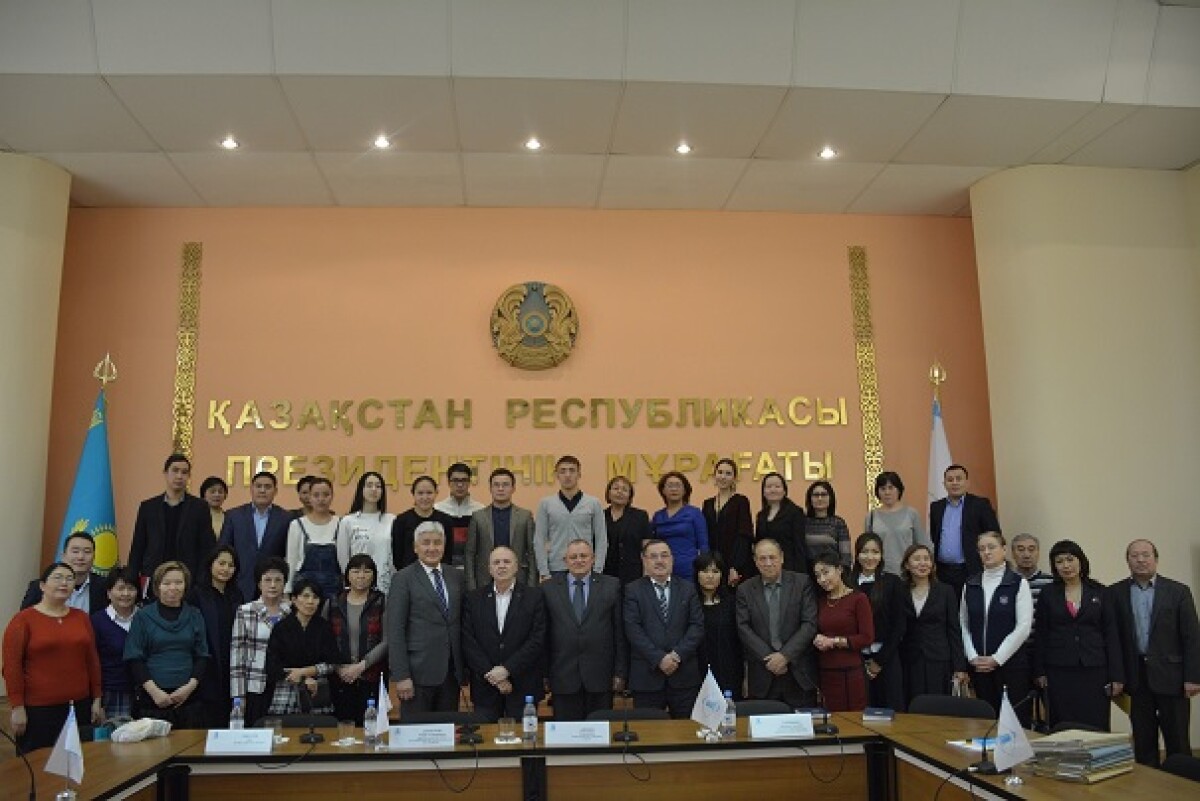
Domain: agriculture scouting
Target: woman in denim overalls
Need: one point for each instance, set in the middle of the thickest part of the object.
(312, 542)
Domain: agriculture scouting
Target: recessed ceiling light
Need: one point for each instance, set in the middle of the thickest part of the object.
(229, 143)
(827, 153)
(382, 142)
(533, 143)
(683, 148)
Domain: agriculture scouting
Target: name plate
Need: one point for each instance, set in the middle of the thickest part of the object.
(239, 741)
(581, 732)
(781, 727)
(421, 737)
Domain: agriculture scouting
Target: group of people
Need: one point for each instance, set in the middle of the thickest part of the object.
(306, 610)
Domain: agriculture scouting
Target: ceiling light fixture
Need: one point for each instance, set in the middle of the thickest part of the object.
(229, 143)
(533, 143)
(827, 153)
(683, 148)
(382, 142)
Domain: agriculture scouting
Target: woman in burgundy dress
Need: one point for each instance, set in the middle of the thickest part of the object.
(846, 626)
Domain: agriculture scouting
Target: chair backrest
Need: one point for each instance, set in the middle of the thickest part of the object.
(300, 721)
(629, 714)
(1184, 765)
(952, 706)
(457, 718)
(762, 707)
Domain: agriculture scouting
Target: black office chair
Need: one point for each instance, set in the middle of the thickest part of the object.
(1067, 725)
(300, 721)
(763, 707)
(952, 706)
(629, 714)
(1184, 765)
(470, 718)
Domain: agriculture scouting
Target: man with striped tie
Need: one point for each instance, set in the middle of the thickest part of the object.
(664, 623)
(424, 632)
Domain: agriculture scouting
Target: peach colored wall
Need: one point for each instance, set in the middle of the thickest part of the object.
(324, 304)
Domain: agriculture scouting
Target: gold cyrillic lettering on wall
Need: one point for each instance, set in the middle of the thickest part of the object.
(365, 418)
(216, 416)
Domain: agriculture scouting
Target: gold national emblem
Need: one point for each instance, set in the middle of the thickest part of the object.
(534, 325)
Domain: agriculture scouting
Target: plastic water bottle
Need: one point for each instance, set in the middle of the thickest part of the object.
(529, 722)
(729, 723)
(237, 718)
(370, 717)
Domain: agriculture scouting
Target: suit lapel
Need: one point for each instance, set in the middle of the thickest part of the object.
(490, 603)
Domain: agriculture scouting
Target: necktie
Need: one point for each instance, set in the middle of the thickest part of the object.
(773, 615)
(662, 599)
(578, 601)
(441, 592)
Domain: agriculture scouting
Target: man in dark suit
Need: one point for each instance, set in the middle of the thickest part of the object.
(501, 523)
(664, 623)
(955, 523)
(424, 633)
(174, 525)
(256, 530)
(503, 637)
(91, 590)
(1160, 640)
(777, 621)
(585, 631)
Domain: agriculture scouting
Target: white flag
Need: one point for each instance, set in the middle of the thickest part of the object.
(939, 455)
(382, 706)
(67, 757)
(709, 709)
(1012, 746)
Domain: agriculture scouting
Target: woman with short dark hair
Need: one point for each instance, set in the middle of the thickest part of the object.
(301, 655)
(111, 626)
(679, 524)
(721, 648)
(898, 525)
(50, 664)
(252, 626)
(845, 627)
(1077, 650)
(628, 527)
(824, 530)
(780, 519)
(358, 617)
(214, 491)
(424, 493)
(167, 652)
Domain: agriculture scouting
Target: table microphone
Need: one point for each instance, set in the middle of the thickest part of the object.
(468, 729)
(985, 766)
(28, 767)
(625, 735)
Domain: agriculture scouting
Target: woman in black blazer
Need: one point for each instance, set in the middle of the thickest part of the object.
(887, 594)
(931, 653)
(1077, 649)
(782, 520)
(627, 527)
(721, 649)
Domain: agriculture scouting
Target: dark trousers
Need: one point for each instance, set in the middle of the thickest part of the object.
(43, 724)
(1015, 676)
(434, 698)
(887, 689)
(678, 701)
(1149, 712)
(188, 715)
(492, 705)
(350, 700)
(785, 688)
(954, 575)
(577, 706)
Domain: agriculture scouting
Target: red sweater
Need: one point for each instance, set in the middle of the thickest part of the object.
(50, 660)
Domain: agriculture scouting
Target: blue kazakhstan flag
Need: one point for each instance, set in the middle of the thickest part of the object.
(91, 506)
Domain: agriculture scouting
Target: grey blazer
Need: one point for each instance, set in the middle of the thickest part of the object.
(481, 540)
(650, 638)
(585, 656)
(797, 628)
(421, 640)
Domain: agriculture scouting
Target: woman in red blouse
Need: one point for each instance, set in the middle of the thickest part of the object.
(50, 662)
(846, 626)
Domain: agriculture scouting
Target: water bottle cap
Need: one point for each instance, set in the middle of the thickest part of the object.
(529, 699)
(729, 693)
(237, 701)
(371, 703)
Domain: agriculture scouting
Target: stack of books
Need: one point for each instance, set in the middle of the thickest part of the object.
(1082, 756)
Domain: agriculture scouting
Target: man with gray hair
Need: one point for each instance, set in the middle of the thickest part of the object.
(1026, 551)
(424, 634)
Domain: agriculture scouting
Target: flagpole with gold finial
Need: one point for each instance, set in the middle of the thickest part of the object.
(105, 372)
(937, 377)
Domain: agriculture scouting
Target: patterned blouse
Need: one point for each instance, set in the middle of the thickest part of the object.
(248, 653)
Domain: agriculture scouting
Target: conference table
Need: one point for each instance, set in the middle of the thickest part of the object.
(903, 760)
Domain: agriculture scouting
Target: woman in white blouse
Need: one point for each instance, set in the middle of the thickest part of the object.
(368, 529)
